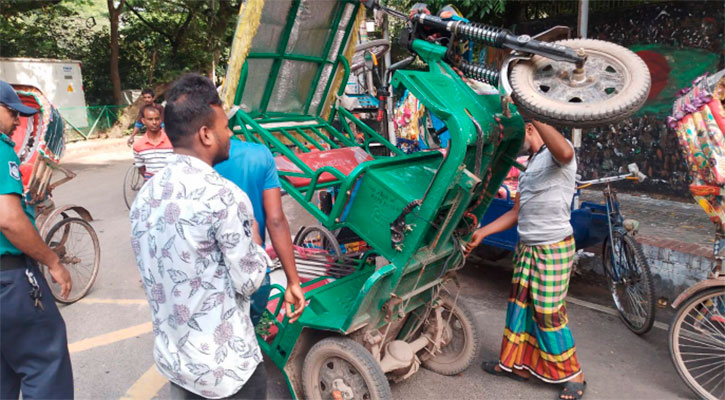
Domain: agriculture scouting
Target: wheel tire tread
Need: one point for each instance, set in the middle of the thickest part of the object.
(457, 368)
(547, 111)
(381, 387)
(679, 318)
(96, 263)
(646, 275)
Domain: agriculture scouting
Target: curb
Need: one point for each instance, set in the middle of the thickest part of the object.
(95, 146)
(694, 249)
(675, 265)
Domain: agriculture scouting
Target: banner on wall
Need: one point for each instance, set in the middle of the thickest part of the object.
(672, 69)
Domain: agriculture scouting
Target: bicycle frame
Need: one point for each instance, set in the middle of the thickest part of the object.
(615, 220)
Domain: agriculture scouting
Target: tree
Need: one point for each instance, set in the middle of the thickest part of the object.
(114, 12)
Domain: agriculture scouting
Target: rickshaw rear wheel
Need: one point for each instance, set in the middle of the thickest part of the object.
(696, 342)
(132, 182)
(338, 367)
(462, 348)
(76, 243)
(319, 237)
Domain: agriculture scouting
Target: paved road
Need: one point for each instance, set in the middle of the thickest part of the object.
(111, 340)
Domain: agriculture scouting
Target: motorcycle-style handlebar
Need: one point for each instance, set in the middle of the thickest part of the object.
(489, 35)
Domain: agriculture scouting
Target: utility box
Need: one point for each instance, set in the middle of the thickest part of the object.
(59, 80)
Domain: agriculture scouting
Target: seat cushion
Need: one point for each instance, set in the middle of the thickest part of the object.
(344, 159)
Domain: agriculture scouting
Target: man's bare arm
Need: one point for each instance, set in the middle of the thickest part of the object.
(560, 149)
(279, 233)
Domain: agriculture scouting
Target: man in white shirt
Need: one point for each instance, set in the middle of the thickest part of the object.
(193, 234)
(537, 340)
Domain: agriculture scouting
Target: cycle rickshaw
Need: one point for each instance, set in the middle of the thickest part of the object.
(697, 333)
(398, 307)
(66, 229)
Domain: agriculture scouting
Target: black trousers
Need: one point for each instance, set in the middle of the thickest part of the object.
(34, 359)
(254, 389)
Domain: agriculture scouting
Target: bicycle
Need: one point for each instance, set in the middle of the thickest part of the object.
(132, 182)
(629, 277)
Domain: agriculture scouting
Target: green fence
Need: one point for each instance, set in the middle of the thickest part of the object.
(100, 118)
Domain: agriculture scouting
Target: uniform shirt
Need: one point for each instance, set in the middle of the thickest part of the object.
(11, 183)
(546, 189)
(251, 166)
(152, 156)
(192, 236)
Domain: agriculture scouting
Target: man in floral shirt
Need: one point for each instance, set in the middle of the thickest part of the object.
(192, 232)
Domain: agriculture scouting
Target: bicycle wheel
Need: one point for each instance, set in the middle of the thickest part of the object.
(318, 237)
(633, 291)
(75, 242)
(132, 183)
(697, 343)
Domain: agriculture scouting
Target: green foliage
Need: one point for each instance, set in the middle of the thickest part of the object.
(185, 35)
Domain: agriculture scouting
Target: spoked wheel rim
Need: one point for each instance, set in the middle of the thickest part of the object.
(628, 291)
(76, 244)
(338, 379)
(603, 78)
(319, 238)
(698, 344)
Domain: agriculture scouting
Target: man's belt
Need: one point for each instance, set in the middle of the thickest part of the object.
(12, 261)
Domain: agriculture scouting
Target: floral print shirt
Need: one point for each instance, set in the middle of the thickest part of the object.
(191, 231)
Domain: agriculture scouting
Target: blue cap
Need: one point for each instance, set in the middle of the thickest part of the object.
(10, 99)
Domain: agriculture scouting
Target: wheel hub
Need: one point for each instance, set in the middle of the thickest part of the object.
(340, 380)
(601, 78)
(344, 390)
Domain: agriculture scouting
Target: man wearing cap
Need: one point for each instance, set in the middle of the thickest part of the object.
(34, 355)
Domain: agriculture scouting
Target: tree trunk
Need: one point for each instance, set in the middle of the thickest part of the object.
(113, 15)
(152, 67)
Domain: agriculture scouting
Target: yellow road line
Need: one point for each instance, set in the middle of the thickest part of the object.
(111, 337)
(147, 386)
(141, 302)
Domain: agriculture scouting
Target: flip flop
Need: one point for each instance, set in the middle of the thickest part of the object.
(490, 367)
(573, 389)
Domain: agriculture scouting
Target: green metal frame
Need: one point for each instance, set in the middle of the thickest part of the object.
(439, 189)
(281, 55)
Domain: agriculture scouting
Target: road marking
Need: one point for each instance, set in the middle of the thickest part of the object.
(110, 337)
(608, 310)
(147, 386)
(125, 302)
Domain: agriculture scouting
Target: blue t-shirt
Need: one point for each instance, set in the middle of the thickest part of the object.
(251, 167)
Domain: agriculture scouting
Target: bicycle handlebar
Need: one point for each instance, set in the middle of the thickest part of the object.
(609, 179)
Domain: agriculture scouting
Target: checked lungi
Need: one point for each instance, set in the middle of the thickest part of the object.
(537, 337)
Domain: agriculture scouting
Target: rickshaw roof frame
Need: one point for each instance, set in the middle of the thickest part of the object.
(280, 55)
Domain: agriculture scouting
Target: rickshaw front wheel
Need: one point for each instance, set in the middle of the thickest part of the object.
(462, 347)
(340, 368)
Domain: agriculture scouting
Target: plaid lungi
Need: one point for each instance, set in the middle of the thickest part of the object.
(537, 337)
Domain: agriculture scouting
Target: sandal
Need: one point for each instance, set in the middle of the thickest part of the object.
(490, 367)
(573, 389)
